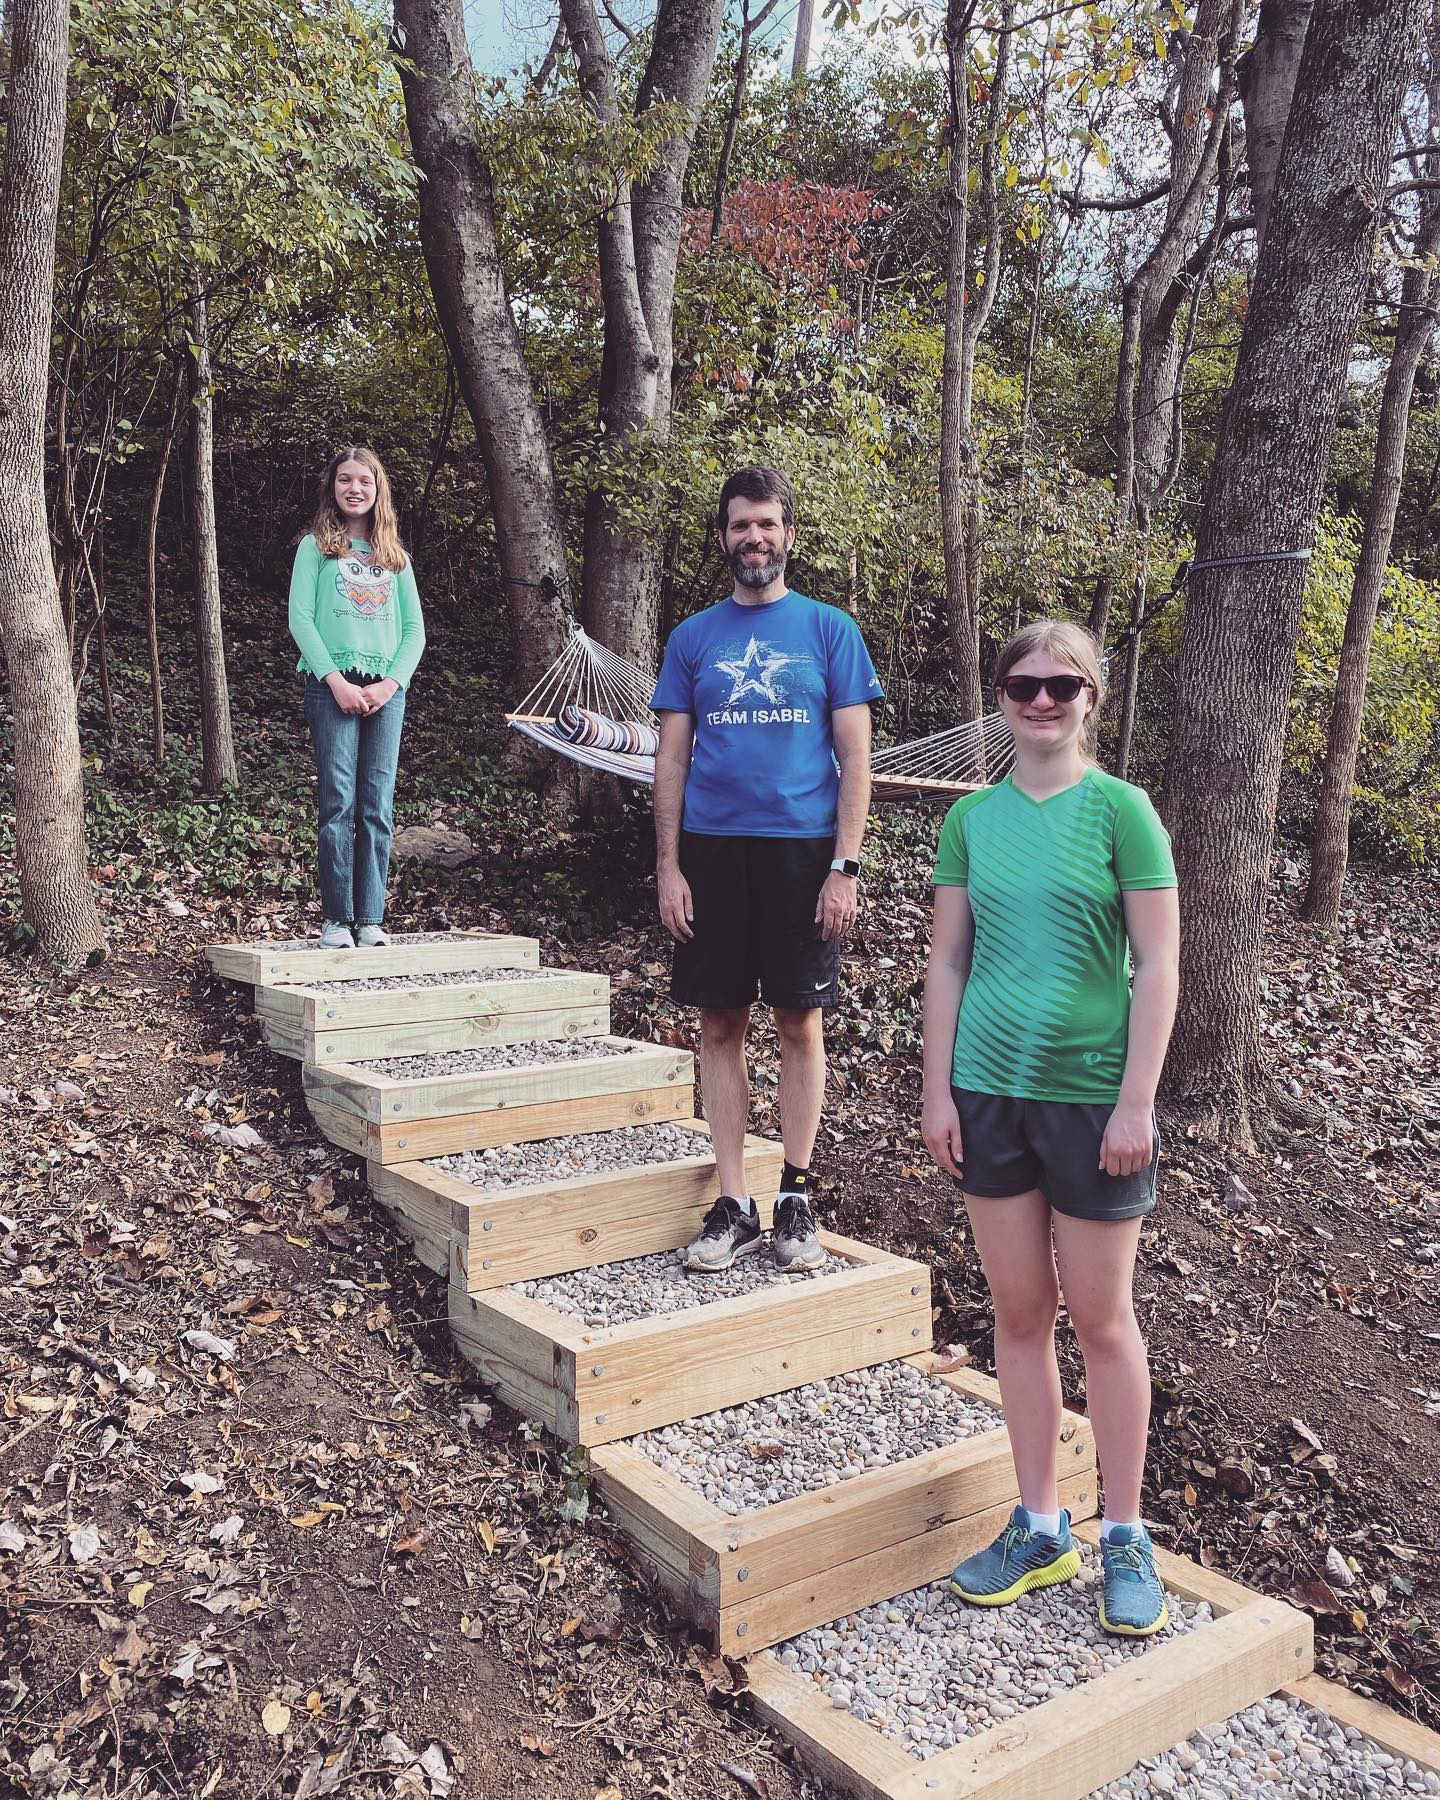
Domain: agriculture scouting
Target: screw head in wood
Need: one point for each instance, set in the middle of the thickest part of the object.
(331, 1013)
(487, 1264)
(915, 1332)
(914, 1291)
(599, 1369)
(489, 1225)
(740, 1630)
(742, 1574)
(400, 1143)
(396, 1106)
(734, 1544)
(599, 1418)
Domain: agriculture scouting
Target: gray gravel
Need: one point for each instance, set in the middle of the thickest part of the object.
(928, 1670)
(643, 1287)
(495, 1056)
(1281, 1749)
(744, 1457)
(582, 1153)
(397, 938)
(435, 978)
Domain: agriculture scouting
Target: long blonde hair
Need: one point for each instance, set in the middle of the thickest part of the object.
(329, 528)
(1072, 644)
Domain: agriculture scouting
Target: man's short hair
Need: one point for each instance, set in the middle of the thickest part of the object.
(756, 483)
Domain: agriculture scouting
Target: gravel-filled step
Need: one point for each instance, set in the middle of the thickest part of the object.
(437, 978)
(398, 940)
(643, 1287)
(1279, 1748)
(565, 1158)
(746, 1457)
(496, 1056)
(928, 1670)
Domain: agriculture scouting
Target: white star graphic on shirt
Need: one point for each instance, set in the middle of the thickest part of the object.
(755, 673)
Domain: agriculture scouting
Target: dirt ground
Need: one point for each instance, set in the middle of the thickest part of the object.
(260, 1533)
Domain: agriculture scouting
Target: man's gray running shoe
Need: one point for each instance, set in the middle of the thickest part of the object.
(729, 1231)
(794, 1244)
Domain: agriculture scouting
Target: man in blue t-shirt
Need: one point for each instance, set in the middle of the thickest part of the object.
(762, 787)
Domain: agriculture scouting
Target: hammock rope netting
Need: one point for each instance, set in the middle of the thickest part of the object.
(594, 707)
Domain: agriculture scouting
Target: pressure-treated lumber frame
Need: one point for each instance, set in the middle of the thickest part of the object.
(391, 1120)
(347, 1025)
(750, 1581)
(1391, 1730)
(486, 1237)
(1067, 1747)
(262, 962)
(591, 1385)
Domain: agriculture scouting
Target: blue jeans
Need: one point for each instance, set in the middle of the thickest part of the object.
(357, 756)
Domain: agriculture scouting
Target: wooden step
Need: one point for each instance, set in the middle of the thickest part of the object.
(486, 1237)
(750, 1581)
(407, 954)
(313, 1025)
(1064, 1748)
(392, 1120)
(591, 1385)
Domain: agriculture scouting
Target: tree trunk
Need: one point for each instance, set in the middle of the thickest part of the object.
(462, 255)
(56, 898)
(639, 242)
(804, 30)
(217, 743)
(1267, 82)
(152, 585)
(965, 318)
(1237, 654)
(1330, 843)
(748, 27)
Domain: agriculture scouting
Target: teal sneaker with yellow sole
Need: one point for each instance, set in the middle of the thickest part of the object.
(1132, 1600)
(1019, 1561)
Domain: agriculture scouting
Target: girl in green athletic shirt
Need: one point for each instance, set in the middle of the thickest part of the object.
(1039, 1087)
(356, 621)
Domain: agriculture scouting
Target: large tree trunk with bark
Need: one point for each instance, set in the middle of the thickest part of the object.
(462, 255)
(1237, 654)
(639, 242)
(56, 898)
(1330, 843)
(1268, 72)
(966, 314)
(217, 741)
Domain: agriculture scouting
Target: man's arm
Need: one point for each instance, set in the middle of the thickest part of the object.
(672, 765)
(839, 898)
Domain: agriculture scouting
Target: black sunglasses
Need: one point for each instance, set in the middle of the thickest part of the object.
(1061, 688)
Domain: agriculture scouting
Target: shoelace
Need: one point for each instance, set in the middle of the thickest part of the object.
(1127, 1560)
(720, 1220)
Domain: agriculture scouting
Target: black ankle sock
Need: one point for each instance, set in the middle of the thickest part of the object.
(795, 1181)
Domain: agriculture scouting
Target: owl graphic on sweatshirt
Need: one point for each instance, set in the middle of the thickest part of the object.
(365, 583)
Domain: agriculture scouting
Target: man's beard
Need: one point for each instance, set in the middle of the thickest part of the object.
(756, 574)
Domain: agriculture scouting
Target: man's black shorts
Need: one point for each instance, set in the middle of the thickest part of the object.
(755, 900)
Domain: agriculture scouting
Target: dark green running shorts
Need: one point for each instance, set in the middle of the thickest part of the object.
(1012, 1146)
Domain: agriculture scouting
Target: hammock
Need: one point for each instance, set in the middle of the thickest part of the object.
(594, 707)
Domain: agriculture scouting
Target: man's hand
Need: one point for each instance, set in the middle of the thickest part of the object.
(940, 1128)
(838, 903)
(348, 697)
(677, 909)
(1129, 1140)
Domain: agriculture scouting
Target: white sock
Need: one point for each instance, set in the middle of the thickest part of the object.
(1109, 1526)
(744, 1202)
(1049, 1523)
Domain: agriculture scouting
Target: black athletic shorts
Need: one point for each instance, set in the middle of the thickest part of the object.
(754, 925)
(1012, 1146)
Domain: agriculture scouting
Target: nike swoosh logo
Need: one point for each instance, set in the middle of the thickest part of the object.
(821, 984)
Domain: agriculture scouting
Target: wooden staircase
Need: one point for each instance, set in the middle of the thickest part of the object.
(748, 1582)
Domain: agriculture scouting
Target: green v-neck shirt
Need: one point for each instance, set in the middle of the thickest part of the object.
(1046, 1009)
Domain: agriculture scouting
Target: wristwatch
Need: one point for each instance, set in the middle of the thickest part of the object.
(846, 865)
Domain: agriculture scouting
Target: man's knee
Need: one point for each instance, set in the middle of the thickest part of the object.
(722, 1027)
(799, 1027)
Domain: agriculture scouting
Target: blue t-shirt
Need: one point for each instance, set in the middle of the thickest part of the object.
(761, 683)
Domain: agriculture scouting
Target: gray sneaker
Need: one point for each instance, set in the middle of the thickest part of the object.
(729, 1231)
(335, 936)
(794, 1244)
(374, 937)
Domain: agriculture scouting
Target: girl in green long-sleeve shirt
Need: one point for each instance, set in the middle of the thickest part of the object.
(355, 617)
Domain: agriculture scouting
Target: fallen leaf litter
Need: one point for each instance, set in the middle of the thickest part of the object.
(643, 1287)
